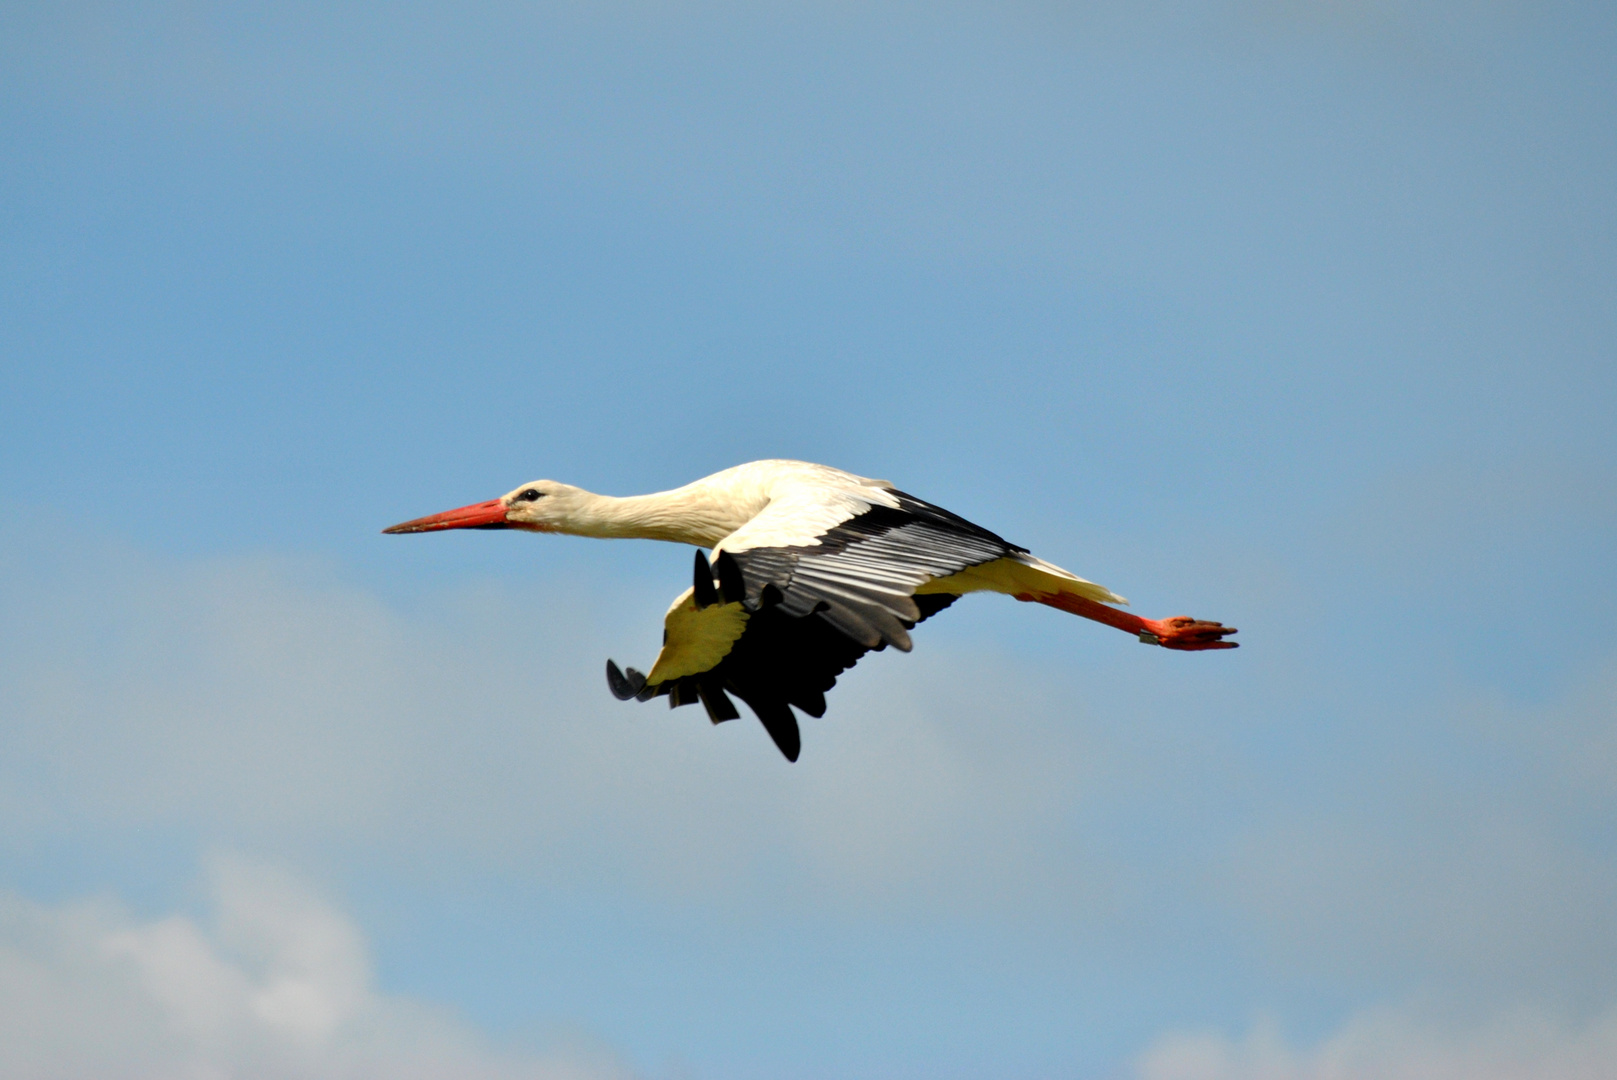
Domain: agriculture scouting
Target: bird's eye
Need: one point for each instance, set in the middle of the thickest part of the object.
(530, 495)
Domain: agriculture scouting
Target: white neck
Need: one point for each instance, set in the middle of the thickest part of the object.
(683, 516)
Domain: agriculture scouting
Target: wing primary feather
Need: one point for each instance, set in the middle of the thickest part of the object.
(810, 701)
(731, 584)
(623, 686)
(717, 703)
(778, 720)
(702, 583)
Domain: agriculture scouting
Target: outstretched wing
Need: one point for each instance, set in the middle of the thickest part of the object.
(811, 584)
(860, 574)
(801, 595)
(827, 572)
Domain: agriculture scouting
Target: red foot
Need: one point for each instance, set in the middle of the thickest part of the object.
(1179, 632)
(1186, 634)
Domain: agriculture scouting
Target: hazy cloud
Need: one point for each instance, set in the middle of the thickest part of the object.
(1397, 1044)
(273, 984)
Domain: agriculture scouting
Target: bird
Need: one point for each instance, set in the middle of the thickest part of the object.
(811, 568)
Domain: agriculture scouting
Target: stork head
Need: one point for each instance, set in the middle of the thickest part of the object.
(541, 506)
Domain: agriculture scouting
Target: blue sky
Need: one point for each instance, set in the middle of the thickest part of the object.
(1294, 315)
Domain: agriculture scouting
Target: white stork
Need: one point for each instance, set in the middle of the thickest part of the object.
(814, 567)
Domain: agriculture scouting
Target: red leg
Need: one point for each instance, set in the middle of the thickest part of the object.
(1177, 632)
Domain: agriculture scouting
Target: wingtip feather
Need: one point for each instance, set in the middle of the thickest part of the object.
(623, 686)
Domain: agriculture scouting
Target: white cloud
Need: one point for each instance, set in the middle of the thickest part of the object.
(1393, 1044)
(275, 984)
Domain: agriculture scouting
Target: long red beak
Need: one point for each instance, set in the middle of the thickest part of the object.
(483, 515)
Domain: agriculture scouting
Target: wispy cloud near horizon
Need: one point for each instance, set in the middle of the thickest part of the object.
(1398, 1043)
(270, 983)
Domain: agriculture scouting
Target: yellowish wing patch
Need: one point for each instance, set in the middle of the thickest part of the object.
(1014, 577)
(694, 640)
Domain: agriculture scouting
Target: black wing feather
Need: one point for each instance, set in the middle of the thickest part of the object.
(862, 574)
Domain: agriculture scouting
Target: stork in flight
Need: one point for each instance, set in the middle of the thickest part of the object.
(812, 567)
